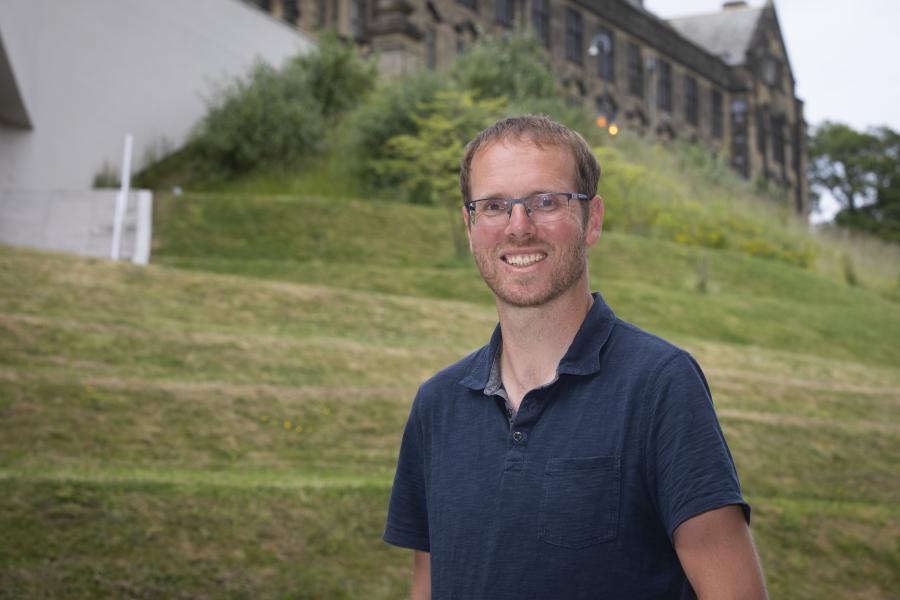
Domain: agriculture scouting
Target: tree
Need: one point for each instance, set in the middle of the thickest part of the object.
(266, 118)
(514, 66)
(338, 78)
(842, 160)
(278, 117)
(427, 163)
(387, 113)
(862, 172)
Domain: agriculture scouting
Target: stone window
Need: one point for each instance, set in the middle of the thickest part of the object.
(574, 35)
(762, 129)
(717, 116)
(691, 112)
(430, 48)
(778, 139)
(356, 19)
(322, 12)
(664, 85)
(772, 72)
(606, 53)
(739, 137)
(635, 70)
(504, 12)
(291, 11)
(473, 4)
(540, 20)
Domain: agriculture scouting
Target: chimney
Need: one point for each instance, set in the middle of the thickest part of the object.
(732, 4)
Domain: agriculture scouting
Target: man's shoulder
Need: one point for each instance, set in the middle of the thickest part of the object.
(636, 350)
(640, 347)
(655, 362)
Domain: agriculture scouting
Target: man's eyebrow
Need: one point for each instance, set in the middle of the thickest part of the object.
(504, 197)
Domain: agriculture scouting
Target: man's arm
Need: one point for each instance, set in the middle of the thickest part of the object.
(421, 578)
(718, 557)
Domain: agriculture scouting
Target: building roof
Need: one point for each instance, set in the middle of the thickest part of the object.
(726, 33)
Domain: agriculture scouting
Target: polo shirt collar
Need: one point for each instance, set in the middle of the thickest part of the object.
(582, 357)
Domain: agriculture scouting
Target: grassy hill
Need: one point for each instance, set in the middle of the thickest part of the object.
(225, 422)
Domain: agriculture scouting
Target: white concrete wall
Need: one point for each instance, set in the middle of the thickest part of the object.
(78, 222)
(90, 71)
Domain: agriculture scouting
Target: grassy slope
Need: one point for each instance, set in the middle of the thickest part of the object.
(226, 421)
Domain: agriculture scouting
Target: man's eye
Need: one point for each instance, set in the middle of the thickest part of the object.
(494, 206)
(546, 201)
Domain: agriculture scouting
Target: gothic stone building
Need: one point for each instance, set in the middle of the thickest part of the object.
(722, 79)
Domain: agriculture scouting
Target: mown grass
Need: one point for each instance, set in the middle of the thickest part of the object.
(225, 422)
(170, 432)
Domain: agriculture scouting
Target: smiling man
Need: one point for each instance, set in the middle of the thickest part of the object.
(575, 455)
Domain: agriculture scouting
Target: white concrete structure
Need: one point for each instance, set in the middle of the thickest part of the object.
(77, 76)
(78, 222)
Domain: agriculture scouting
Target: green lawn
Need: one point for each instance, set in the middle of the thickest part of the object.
(225, 422)
(228, 426)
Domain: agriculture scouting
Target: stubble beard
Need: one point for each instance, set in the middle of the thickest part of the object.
(539, 290)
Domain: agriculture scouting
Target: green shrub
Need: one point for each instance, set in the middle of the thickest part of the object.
(653, 204)
(272, 118)
(107, 177)
(387, 113)
(426, 164)
(269, 117)
(338, 77)
(513, 66)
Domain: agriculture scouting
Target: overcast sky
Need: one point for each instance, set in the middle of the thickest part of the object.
(843, 54)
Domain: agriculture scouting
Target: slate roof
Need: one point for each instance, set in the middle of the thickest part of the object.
(726, 33)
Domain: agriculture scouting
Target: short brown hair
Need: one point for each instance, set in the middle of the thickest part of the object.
(540, 131)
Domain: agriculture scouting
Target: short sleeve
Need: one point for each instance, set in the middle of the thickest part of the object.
(689, 467)
(407, 520)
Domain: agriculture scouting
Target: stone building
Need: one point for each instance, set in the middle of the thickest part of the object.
(722, 79)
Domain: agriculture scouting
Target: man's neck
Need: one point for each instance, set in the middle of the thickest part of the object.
(535, 339)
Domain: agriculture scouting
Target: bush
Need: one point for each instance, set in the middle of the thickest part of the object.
(276, 118)
(267, 118)
(389, 112)
(513, 66)
(338, 78)
(107, 177)
(511, 70)
(426, 163)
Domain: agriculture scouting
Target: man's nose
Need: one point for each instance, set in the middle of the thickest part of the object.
(519, 222)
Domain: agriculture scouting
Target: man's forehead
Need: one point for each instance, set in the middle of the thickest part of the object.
(524, 144)
(522, 140)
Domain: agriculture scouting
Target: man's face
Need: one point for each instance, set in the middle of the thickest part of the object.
(526, 264)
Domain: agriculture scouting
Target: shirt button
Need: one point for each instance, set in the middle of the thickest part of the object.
(518, 436)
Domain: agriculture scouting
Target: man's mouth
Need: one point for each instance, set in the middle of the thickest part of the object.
(523, 260)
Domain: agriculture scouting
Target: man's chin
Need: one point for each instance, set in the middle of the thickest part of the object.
(524, 298)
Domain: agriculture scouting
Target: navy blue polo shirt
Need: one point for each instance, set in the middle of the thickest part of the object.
(576, 496)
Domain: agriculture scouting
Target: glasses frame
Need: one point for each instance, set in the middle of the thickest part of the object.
(473, 219)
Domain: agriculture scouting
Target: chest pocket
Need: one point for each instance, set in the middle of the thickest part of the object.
(580, 501)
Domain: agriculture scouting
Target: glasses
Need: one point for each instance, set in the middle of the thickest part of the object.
(545, 207)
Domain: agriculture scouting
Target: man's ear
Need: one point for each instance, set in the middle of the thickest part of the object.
(595, 221)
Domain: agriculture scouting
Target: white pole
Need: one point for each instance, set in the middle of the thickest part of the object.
(144, 229)
(122, 199)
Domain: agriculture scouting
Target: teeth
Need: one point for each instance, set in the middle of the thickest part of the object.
(523, 260)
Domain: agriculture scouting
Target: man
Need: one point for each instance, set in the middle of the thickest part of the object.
(574, 456)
